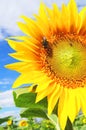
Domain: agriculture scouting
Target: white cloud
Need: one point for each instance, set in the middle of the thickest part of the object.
(6, 99)
(11, 10)
(14, 113)
(5, 81)
(1, 35)
(7, 105)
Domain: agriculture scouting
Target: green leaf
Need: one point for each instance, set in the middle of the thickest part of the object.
(20, 91)
(2, 120)
(83, 127)
(54, 120)
(1, 128)
(31, 112)
(27, 99)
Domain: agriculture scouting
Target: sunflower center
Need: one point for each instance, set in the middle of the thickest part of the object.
(68, 59)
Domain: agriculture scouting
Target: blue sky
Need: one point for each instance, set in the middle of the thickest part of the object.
(10, 12)
(6, 76)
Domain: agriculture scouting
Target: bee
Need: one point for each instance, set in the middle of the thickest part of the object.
(45, 43)
(47, 47)
(71, 44)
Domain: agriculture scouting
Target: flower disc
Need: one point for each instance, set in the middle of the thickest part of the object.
(68, 61)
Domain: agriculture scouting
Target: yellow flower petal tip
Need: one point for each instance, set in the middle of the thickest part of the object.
(52, 55)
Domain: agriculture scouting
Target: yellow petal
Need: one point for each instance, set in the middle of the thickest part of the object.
(32, 25)
(73, 11)
(18, 46)
(54, 14)
(53, 98)
(44, 27)
(28, 40)
(44, 81)
(56, 11)
(72, 105)
(43, 93)
(29, 31)
(62, 108)
(22, 67)
(26, 78)
(43, 13)
(65, 19)
(21, 80)
(43, 20)
(82, 27)
(83, 100)
(22, 46)
(23, 56)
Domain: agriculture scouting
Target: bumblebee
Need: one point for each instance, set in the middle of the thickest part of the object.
(47, 47)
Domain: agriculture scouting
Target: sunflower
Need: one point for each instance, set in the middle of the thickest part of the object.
(84, 120)
(9, 122)
(52, 55)
(23, 123)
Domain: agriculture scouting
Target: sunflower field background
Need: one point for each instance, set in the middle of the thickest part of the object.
(34, 117)
(21, 108)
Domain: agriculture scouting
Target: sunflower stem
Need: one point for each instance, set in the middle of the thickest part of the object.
(69, 125)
